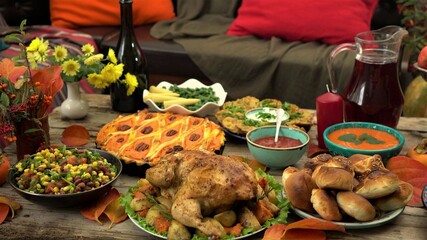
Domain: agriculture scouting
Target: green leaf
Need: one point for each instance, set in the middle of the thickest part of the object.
(349, 138)
(4, 99)
(370, 139)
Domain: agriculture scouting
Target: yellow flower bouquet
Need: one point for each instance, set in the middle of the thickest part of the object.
(30, 80)
(99, 71)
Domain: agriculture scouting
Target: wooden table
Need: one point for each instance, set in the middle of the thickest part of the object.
(39, 222)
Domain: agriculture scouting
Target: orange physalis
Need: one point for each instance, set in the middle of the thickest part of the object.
(108, 205)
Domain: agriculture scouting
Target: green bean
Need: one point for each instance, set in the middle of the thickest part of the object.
(205, 94)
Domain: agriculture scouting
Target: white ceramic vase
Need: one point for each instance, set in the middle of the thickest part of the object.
(74, 107)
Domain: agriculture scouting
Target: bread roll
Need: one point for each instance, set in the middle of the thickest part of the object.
(339, 162)
(298, 189)
(288, 172)
(333, 178)
(356, 206)
(396, 200)
(317, 161)
(325, 205)
(364, 164)
(378, 183)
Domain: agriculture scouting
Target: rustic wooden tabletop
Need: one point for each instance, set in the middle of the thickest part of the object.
(39, 222)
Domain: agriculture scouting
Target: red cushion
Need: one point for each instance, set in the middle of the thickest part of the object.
(74, 14)
(328, 21)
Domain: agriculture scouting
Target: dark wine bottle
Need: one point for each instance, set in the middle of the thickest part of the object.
(130, 54)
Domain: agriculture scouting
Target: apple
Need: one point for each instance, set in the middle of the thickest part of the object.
(422, 58)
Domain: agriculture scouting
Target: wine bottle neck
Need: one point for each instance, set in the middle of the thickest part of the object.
(126, 17)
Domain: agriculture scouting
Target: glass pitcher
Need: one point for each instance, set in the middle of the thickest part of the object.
(373, 93)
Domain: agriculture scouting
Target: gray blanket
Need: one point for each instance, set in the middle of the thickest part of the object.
(290, 71)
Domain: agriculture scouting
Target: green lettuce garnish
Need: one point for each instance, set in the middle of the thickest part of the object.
(282, 203)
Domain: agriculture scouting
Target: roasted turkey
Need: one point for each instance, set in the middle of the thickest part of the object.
(201, 184)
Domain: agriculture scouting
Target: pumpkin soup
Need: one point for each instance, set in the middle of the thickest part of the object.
(363, 138)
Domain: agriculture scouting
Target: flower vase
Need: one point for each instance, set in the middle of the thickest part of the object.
(74, 107)
(121, 102)
(32, 135)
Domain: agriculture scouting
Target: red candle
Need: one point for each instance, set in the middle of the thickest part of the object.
(329, 110)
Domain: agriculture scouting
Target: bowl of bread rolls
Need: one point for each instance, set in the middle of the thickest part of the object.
(356, 191)
(349, 138)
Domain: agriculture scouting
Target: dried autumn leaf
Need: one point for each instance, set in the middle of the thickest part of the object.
(402, 162)
(412, 172)
(7, 204)
(75, 135)
(314, 150)
(418, 186)
(314, 223)
(115, 212)
(49, 78)
(274, 232)
(14, 205)
(94, 211)
(10, 71)
(306, 229)
(310, 228)
(305, 234)
(4, 211)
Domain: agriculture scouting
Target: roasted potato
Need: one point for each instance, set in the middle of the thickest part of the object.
(214, 227)
(152, 213)
(248, 219)
(227, 218)
(178, 231)
(138, 204)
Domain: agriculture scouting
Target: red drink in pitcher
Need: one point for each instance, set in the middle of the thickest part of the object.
(374, 93)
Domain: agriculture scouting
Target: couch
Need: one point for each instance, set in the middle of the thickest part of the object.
(175, 58)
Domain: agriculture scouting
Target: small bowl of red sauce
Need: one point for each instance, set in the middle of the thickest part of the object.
(291, 145)
(367, 138)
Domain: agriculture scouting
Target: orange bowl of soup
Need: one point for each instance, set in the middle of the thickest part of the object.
(368, 138)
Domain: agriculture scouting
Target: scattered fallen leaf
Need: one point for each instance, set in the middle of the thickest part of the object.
(109, 205)
(6, 205)
(75, 135)
(305, 234)
(306, 229)
(4, 211)
(10, 71)
(274, 232)
(314, 223)
(412, 172)
(49, 78)
(314, 150)
(115, 212)
(402, 162)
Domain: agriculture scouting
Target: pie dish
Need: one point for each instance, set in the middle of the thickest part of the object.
(144, 137)
(207, 109)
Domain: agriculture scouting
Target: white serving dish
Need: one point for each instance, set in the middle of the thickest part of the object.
(207, 109)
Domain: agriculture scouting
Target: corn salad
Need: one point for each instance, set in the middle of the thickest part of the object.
(63, 171)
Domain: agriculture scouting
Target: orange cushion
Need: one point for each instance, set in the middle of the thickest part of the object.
(74, 14)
